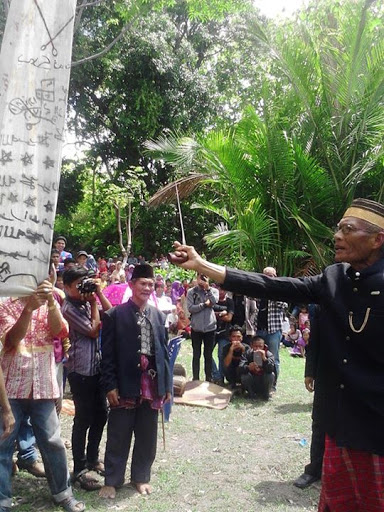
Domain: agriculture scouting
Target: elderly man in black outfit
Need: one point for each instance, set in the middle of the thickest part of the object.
(351, 296)
(137, 380)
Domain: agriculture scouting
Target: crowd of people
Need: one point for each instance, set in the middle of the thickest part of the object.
(107, 324)
(203, 313)
(80, 296)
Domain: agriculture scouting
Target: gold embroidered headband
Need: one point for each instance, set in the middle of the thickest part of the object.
(367, 210)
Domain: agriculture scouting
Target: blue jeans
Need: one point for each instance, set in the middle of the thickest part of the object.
(218, 372)
(46, 427)
(27, 453)
(273, 342)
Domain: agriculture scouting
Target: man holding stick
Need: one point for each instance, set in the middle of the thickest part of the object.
(351, 296)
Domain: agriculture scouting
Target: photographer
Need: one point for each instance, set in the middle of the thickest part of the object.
(81, 310)
(224, 310)
(200, 300)
(257, 366)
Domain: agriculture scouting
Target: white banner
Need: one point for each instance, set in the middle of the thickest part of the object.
(35, 65)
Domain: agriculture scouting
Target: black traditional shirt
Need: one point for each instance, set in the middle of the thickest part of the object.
(350, 370)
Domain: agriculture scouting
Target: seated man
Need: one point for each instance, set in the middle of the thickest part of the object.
(257, 367)
(232, 353)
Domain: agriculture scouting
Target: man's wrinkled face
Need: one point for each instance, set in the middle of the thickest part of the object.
(355, 243)
(142, 289)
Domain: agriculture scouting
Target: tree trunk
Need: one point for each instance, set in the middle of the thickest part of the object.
(119, 230)
(128, 229)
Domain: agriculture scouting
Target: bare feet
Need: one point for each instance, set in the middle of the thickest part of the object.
(107, 492)
(143, 488)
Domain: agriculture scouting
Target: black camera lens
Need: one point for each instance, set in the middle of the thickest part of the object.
(87, 285)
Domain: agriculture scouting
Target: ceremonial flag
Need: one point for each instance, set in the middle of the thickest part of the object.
(35, 63)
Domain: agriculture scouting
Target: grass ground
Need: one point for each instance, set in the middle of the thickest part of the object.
(243, 458)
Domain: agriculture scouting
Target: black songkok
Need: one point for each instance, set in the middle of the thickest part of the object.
(143, 270)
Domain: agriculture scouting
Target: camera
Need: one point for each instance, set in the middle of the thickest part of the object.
(87, 285)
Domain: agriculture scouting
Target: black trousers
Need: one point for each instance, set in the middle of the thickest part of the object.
(208, 338)
(315, 466)
(90, 417)
(122, 423)
(258, 384)
(231, 373)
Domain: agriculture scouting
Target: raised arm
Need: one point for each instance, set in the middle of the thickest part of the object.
(40, 296)
(187, 257)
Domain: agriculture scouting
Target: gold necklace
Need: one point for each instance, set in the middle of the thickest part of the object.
(357, 331)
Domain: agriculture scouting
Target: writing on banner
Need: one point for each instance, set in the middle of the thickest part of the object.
(35, 64)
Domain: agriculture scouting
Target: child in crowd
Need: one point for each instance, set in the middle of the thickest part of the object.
(59, 281)
(299, 348)
(303, 317)
(292, 336)
(104, 281)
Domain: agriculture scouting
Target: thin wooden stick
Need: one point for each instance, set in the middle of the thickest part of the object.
(163, 428)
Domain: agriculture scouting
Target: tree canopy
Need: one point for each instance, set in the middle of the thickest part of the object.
(284, 174)
(285, 117)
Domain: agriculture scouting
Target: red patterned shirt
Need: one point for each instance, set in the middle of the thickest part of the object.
(29, 370)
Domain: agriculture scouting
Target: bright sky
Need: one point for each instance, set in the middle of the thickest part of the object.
(272, 8)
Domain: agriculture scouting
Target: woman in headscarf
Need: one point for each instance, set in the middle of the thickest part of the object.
(177, 291)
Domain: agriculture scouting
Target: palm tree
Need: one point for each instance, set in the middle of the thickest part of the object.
(281, 177)
(267, 192)
(333, 56)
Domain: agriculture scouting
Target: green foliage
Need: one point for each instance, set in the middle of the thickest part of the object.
(286, 119)
(176, 273)
(332, 58)
(160, 76)
(71, 187)
(269, 193)
(285, 173)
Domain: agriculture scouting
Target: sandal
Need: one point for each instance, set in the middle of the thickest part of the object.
(98, 467)
(72, 505)
(87, 482)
